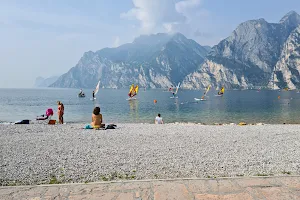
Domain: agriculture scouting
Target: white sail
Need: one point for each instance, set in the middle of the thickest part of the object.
(177, 88)
(97, 88)
(208, 88)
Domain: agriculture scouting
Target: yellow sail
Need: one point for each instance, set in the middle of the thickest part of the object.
(208, 88)
(222, 91)
(136, 89)
(131, 88)
(205, 93)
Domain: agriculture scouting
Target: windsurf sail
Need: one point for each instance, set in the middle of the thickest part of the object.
(221, 92)
(205, 93)
(136, 89)
(97, 88)
(133, 90)
(177, 87)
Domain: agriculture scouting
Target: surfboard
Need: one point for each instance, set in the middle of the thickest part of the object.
(173, 97)
(130, 99)
(196, 99)
(92, 99)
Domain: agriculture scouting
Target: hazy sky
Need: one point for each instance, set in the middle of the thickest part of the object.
(48, 37)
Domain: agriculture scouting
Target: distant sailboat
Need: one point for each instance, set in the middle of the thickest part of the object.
(203, 97)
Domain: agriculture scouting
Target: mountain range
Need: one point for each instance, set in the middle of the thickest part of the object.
(45, 82)
(257, 53)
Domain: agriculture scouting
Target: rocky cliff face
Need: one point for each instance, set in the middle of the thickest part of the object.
(286, 71)
(153, 61)
(256, 54)
(250, 55)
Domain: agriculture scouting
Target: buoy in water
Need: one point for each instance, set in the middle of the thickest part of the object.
(154, 101)
(278, 97)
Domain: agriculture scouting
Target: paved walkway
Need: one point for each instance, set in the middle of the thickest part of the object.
(207, 189)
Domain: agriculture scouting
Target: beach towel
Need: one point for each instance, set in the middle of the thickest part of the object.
(88, 126)
(25, 121)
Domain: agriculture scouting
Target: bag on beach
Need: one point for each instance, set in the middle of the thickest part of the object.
(25, 121)
(111, 126)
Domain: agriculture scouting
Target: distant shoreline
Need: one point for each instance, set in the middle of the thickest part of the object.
(33, 122)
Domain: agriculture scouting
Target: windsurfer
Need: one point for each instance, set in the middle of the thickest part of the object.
(81, 93)
(93, 94)
(133, 91)
(221, 92)
(131, 94)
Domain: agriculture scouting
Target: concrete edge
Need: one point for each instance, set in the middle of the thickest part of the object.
(149, 180)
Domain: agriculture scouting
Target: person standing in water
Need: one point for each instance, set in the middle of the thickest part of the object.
(60, 112)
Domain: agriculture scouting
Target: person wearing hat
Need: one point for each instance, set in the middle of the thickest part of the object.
(60, 112)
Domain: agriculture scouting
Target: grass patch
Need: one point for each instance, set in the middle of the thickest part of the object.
(120, 176)
(103, 178)
(286, 172)
(53, 180)
(12, 184)
(259, 174)
(117, 176)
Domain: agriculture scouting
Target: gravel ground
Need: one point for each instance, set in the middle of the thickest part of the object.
(42, 154)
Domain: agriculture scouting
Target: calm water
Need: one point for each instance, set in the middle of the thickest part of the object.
(235, 106)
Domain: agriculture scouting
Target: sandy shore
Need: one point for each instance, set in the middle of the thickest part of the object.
(41, 154)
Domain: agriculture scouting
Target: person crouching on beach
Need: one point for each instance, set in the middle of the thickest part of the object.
(158, 119)
(60, 112)
(97, 118)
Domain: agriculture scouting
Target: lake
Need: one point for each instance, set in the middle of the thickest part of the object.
(235, 106)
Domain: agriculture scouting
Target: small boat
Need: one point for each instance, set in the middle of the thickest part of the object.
(81, 95)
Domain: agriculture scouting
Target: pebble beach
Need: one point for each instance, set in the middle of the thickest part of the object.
(50, 154)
